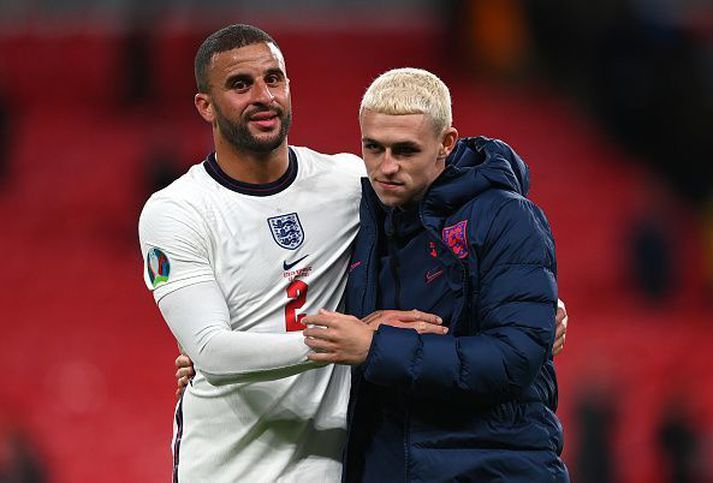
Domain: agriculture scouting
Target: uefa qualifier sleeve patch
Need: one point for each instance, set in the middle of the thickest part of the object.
(157, 266)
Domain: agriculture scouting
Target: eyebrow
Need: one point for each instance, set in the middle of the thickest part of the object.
(396, 145)
(275, 70)
(405, 144)
(248, 78)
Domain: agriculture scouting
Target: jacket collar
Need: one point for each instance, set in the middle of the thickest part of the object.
(477, 164)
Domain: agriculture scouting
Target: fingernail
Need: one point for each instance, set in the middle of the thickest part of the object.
(439, 320)
(445, 330)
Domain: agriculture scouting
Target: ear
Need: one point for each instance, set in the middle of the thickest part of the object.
(204, 106)
(448, 142)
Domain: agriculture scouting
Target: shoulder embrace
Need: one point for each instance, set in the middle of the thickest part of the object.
(342, 162)
(351, 163)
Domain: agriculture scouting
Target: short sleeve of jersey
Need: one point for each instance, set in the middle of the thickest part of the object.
(174, 246)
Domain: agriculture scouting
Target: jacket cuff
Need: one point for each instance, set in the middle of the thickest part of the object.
(393, 354)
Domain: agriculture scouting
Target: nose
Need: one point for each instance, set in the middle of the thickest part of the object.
(262, 93)
(389, 166)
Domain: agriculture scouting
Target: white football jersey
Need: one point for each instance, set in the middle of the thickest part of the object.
(277, 252)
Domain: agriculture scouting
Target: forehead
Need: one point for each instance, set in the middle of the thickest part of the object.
(393, 128)
(252, 59)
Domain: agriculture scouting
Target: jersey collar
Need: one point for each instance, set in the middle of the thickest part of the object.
(267, 189)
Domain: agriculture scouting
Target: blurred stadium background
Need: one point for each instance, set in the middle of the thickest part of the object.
(610, 102)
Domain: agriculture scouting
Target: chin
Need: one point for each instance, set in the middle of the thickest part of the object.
(389, 201)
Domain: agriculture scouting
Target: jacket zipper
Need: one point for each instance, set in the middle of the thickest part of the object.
(395, 272)
(395, 269)
(391, 237)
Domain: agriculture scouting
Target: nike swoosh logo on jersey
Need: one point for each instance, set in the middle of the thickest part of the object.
(287, 266)
(432, 275)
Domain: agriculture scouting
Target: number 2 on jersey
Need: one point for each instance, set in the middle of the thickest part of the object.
(297, 293)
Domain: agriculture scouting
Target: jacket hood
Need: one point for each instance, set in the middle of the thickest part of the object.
(477, 164)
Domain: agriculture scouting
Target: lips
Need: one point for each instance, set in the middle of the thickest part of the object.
(261, 116)
(388, 185)
(265, 119)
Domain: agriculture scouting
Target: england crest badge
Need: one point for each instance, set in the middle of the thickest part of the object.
(456, 237)
(286, 230)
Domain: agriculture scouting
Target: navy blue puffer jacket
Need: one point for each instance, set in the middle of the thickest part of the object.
(477, 404)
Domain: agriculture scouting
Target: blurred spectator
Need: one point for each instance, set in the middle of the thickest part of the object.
(161, 167)
(644, 75)
(680, 444)
(138, 84)
(493, 37)
(652, 250)
(5, 127)
(708, 240)
(19, 462)
(651, 260)
(596, 414)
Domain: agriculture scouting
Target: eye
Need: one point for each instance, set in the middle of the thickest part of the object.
(371, 146)
(405, 151)
(273, 79)
(240, 84)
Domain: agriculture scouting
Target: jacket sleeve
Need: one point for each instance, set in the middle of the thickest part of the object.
(516, 310)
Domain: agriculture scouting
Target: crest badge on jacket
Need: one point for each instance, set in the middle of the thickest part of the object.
(456, 237)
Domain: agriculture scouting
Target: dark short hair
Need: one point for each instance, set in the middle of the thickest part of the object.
(227, 38)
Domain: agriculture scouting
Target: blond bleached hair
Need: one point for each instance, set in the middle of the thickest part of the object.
(410, 91)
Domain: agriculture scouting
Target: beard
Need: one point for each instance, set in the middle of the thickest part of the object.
(238, 133)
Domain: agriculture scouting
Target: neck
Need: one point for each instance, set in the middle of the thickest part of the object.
(249, 166)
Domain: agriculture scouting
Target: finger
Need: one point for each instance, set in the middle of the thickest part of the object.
(425, 328)
(558, 345)
(561, 305)
(560, 316)
(561, 329)
(420, 327)
(413, 316)
(182, 382)
(183, 361)
(312, 319)
(337, 315)
(426, 317)
(319, 333)
(185, 372)
(320, 319)
(320, 345)
(374, 316)
(322, 356)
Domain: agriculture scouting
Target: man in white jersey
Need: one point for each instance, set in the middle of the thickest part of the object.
(237, 251)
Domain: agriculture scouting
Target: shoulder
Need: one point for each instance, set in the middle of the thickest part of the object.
(497, 205)
(500, 219)
(181, 202)
(343, 163)
(519, 232)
